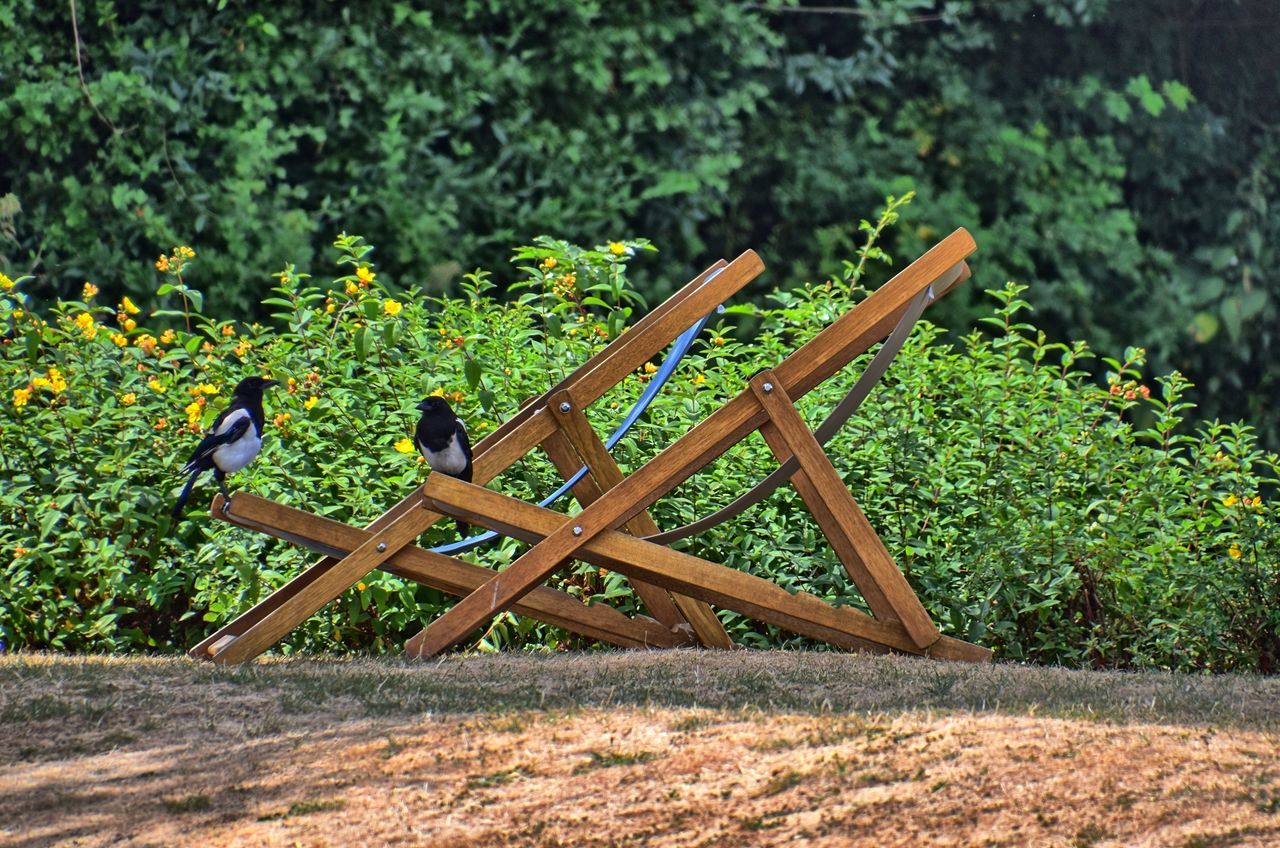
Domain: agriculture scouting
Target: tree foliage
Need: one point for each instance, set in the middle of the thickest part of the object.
(1122, 155)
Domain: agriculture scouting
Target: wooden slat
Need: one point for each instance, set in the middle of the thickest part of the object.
(679, 572)
(374, 551)
(708, 440)
(826, 521)
(526, 429)
(656, 600)
(453, 576)
(882, 584)
(604, 470)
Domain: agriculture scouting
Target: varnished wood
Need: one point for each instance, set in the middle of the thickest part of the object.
(883, 586)
(605, 472)
(446, 574)
(679, 572)
(657, 601)
(515, 438)
(379, 547)
(827, 523)
(844, 340)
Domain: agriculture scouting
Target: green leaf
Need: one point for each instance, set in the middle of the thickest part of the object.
(1148, 97)
(471, 370)
(1204, 326)
(1178, 94)
(672, 182)
(362, 343)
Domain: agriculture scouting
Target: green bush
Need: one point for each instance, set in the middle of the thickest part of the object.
(1034, 511)
(1134, 186)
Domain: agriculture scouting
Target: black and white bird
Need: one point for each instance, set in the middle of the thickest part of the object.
(232, 442)
(442, 439)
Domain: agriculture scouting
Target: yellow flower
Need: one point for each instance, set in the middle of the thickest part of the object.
(1230, 500)
(86, 324)
(156, 385)
(228, 331)
(146, 342)
(130, 325)
(360, 587)
(128, 306)
(41, 383)
(366, 276)
(161, 424)
(128, 398)
(699, 379)
(119, 340)
(5, 283)
(20, 397)
(617, 248)
(162, 264)
(328, 308)
(391, 307)
(194, 412)
(17, 313)
(549, 263)
(207, 389)
(184, 252)
(457, 397)
(90, 290)
(1234, 551)
(310, 402)
(405, 446)
(56, 381)
(352, 288)
(438, 393)
(243, 348)
(718, 341)
(650, 368)
(167, 337)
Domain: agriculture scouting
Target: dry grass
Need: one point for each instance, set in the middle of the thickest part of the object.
(669, 748)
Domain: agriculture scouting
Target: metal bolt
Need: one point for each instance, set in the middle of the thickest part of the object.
(564, 407)
(382, 546)
(768, 387)
(577, 531)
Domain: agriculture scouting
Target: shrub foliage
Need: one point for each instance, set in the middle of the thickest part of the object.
(1034, 510)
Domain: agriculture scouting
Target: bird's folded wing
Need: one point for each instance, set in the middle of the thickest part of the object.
(236, 428)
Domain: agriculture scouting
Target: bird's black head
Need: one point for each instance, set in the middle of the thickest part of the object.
(435, 405)
(252, 386)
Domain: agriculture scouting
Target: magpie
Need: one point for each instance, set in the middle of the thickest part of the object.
(442, 439)
(232, 442)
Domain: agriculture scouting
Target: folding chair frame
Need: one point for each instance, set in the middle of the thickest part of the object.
(610, 501)
(274, 617)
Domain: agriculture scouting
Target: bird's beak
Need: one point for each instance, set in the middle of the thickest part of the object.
(421, 407)
(266, 384)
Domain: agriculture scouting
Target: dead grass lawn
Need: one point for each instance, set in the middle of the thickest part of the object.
(657, 749)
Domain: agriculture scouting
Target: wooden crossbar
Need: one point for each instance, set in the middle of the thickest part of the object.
(447, 574)
(716, 584)
(812, 363)
(260, 627)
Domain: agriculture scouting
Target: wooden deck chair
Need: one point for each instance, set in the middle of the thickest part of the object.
(898, 621)
(350, 553)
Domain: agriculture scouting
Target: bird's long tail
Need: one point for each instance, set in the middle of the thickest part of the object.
(185, 493)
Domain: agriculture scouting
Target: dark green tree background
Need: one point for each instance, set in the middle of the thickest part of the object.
(1119, 157)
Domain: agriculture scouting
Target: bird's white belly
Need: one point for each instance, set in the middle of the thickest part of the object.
(449, 461)
(236, 455)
